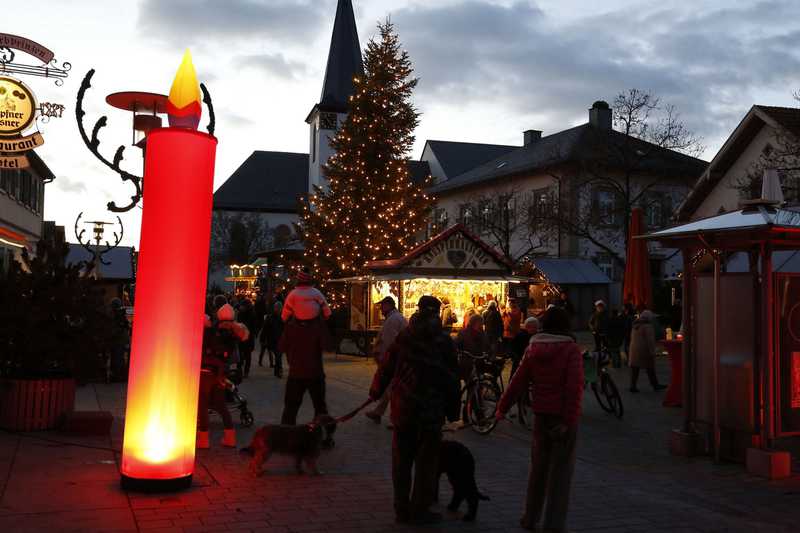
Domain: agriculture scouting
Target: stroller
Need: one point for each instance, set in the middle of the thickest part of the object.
(235, 399)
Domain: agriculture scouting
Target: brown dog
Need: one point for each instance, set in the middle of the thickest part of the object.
(304, 443)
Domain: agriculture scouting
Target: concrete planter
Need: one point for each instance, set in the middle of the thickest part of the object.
(34, 404)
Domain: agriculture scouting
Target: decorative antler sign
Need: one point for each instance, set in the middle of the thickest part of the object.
(18, 106)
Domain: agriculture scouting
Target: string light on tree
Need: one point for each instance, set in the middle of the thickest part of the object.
(371, 209)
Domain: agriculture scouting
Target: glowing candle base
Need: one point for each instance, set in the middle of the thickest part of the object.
(161, 413)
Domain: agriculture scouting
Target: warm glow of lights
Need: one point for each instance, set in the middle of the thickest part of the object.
(183, 105)
(161, 410)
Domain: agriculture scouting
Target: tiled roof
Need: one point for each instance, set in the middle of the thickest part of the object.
(579, 144)
(265, 182)
(459, 157)
(788, 117)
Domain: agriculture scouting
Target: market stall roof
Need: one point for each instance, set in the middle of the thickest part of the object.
(456, 252)
(741, 229)
(561, 271)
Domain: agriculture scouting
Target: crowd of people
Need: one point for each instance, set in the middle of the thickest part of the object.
(419, 378)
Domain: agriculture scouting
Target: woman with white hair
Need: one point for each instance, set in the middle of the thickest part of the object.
(643, 350)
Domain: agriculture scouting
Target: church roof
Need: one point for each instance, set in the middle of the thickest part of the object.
(458, 157)
(344, 61)
(581, 143)
(268, 182)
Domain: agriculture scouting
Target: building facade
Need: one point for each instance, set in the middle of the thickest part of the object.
(562, 195)
(766, 138)
(21, 208)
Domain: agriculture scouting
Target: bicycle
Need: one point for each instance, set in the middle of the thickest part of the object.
(596, 375)
(481, 393)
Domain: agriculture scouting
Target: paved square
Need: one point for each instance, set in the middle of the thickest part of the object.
(624, 480)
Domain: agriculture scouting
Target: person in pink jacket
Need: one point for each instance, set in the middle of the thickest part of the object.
(553, 364)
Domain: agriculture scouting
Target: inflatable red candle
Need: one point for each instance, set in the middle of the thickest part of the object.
(161, 413)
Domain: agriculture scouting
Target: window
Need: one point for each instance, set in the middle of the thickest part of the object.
(9, 181)
(437, 222)
(314, 143)
(486, 212)
(657, 209)
(466, 215)
(541, 203)
(605, 207)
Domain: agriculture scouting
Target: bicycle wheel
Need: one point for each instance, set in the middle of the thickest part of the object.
(524, 411)
(482, 406)
(601, 398)
(610, 391)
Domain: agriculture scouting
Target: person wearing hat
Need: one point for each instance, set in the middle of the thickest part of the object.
(598, 325)
(303, 341)
(305, 302)
(393, 323)
(422, 369)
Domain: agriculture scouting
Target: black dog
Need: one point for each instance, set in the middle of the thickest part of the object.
(304, 443)
(457, 462)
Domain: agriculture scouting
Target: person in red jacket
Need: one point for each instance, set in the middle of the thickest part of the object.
(554, 364)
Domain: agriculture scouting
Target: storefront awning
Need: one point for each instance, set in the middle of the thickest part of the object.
(571, 271)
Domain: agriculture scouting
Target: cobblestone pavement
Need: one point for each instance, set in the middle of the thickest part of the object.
(624, 480)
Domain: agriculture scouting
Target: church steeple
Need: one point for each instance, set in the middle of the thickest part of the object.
(344, 59)
(344, 62)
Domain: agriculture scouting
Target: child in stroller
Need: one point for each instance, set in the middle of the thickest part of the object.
(234, 398)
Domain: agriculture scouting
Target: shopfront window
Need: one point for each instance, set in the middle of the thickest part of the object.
(461, 294)
(378, 291)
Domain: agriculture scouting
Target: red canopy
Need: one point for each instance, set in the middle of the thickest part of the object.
(637, 288)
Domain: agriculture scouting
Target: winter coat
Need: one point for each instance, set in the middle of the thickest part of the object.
(303, 342)
(493, 324)
(512, 323)
(272, 331)
(421, 366)
(598, 324)
(617, 330)
(520, 344)
(643, 342)
(554, 364)
(248, 317)
(448, 316)
(474, 342)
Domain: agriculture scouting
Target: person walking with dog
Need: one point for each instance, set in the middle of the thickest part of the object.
(220, 337)
(555, 364)
(422, 369)
(393, 323)
(303, 341)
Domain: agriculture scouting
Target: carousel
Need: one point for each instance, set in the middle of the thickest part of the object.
(455, 266)
(245, 278)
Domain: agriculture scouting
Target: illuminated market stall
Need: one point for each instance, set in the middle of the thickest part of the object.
(455, 266)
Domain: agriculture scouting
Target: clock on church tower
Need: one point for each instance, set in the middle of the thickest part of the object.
(327, 121)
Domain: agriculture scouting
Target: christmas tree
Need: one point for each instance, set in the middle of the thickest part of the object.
(370, 209)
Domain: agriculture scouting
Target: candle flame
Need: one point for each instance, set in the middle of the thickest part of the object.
(183, 105)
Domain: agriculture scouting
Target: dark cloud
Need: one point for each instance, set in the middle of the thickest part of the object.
(193, 21)
(273, 65)
(708, 62)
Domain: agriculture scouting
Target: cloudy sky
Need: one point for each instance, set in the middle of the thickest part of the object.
(488, 69)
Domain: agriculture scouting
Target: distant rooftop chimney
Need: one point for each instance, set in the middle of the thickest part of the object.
(771, 187)
(600, 115)
(531, 136)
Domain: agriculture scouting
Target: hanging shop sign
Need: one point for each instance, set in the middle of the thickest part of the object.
(17, 107)
(19, 110)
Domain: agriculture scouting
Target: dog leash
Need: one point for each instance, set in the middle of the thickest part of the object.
(354, 412)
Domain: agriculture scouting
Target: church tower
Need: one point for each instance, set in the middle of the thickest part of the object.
(344, 62)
